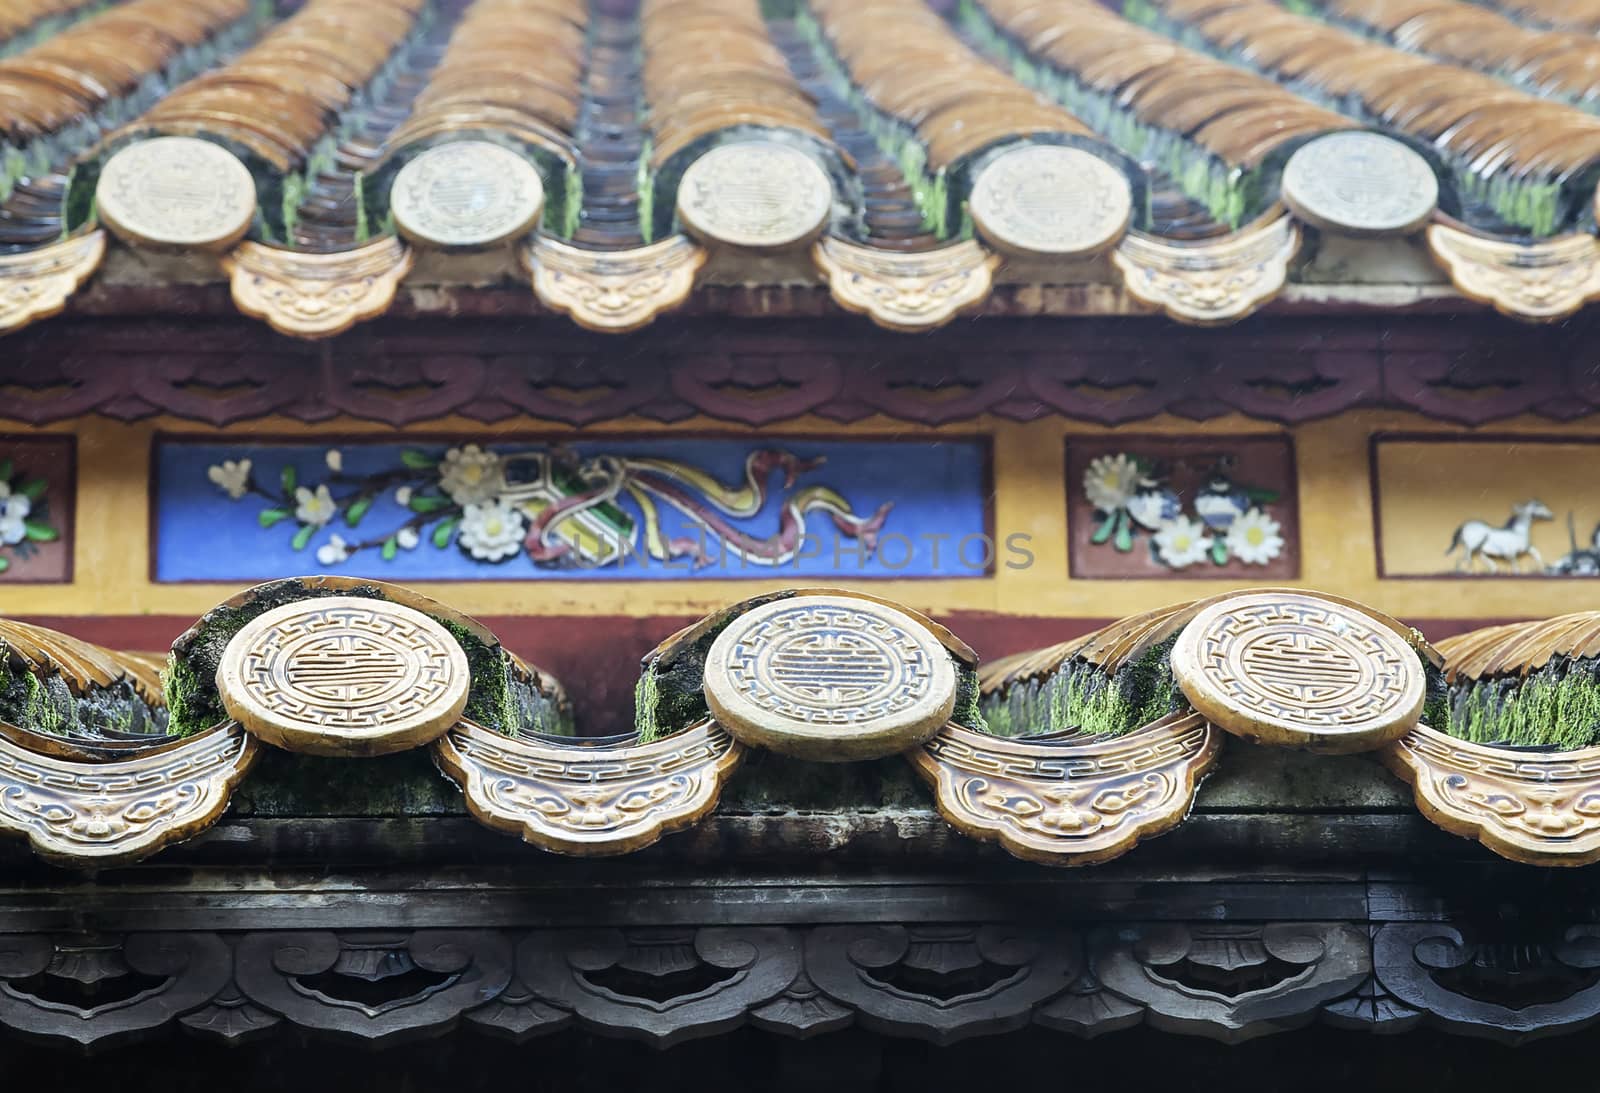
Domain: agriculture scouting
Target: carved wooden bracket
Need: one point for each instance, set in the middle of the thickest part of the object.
(613, 291)
(316, 295)
(1069, 803)
(1533, 807)
(97, 815)
(907, 292)
(1231, 982)
(1543, 281)
(591, 801)
(1211, 282)
(35, 284)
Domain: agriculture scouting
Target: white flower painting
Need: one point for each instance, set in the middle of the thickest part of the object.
(1189, 512)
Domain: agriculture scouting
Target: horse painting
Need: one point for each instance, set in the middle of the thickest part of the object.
(1509, 543)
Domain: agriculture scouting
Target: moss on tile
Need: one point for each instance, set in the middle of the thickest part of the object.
(1079, 695)
(46, 703)
(1558, 705)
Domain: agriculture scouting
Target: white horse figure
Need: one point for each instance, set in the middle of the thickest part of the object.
(1509, 543)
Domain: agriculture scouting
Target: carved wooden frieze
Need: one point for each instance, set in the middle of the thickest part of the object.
(1069, 803)
(373, 986)
(345, 676)
(906, 291)
(98, 990)
(613, 291)
(1213, 281)
(1300, 669)
(96, 815)
(1544, 281)
(1512, 988)
(1542, 808)
(316, 295)
(576, 799)
(35, 284)
(1231, 982)
(618, 980)
(942, 983)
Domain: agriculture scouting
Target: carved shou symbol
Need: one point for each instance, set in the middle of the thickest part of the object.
(831, 664)
(1300, 669)
(1307, 669)
(812, 673)
(322, 674)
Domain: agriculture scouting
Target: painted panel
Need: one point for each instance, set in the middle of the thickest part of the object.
(624, 508)
(1490, 506)
(36, 509)
(1190, 507)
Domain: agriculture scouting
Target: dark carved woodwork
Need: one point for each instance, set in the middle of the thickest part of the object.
(1286, 370)
(662, 985)
(1519, 987)
(1231, 982)
(373, 985)
(941, 983)
(94, 990)
(935, 981)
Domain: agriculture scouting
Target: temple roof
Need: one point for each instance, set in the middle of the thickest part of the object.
(918, 159)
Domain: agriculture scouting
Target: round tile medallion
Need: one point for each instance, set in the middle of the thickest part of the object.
(1360, 183)
(469, 193)
(344, 675)
(757, 194)
(829, 678)
(176, 192)
(1048, 201)
(1298, 669)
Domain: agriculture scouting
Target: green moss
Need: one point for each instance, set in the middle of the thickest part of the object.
(46, 703)
(1436, 701)
(969, 699)
(1081, 696)
(1558, 705)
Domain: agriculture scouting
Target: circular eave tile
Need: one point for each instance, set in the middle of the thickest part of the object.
(756, 194)
(1300, 670)
(344, 675)
(1360, 183)
(830, 678)
(1048, 201)
(176, 192)
(469, 193)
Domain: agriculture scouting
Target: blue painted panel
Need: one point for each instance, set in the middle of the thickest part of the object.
(612, 509)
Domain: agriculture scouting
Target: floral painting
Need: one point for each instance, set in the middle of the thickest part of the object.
(1208, 507)
(644, 509)
(36, 484)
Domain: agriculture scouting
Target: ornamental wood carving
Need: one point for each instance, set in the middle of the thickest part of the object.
(344, 676)
(663, 985)
(1214, 281)
(1544, 281)
(942, 983)
(96, 815)
(1069, 803)
(316, 295)
(1231, 982)
(585, 800)
(1541, 808)
(1512, 987)
(906, 291)
(35, 284)
(97, 990)
(1300, 670)
(613, 291)
(369, 985)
